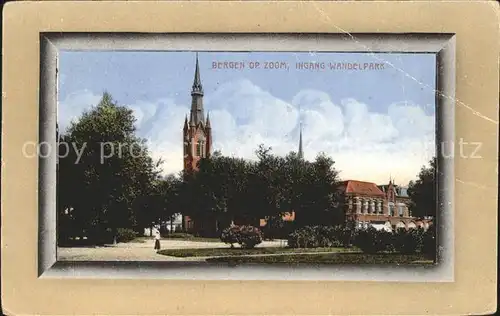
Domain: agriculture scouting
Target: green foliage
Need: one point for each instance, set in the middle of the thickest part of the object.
(212, 252)
(266, 188)
(125, 235)
(404, 241)
(98, 235)
(319, 236)
(327, 258)
(230, 235)
(180, 236)
(422, 192)
(429, 243)
(372, 241)
(276, 228)
(408, 241)
(107, 175)
(247, 236)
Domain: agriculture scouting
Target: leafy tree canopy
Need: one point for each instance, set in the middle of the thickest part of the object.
(422, 192)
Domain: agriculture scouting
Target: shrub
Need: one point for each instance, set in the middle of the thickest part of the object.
(99, 236)
(371, 240)
(346, 236)
(319, 236)
(125, 235)
(164, 230)
(180, 235)
(429, 242)
(276, 227)
(293, 240)
(247, 236)
(408, 241)
(304, 237)
(230, 235)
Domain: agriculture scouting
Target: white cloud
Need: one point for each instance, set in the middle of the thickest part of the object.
(73, 105)
(365, 145)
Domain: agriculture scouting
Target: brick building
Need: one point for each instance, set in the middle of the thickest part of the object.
(380, 206)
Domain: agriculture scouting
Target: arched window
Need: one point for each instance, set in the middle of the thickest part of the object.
(199, 148)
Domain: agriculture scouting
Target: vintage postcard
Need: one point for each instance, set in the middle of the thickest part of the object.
(247, 157)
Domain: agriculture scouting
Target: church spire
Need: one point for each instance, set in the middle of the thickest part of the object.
(197, 87)
(186, 123)
(197, 115)
(207, 124)
(301, 153)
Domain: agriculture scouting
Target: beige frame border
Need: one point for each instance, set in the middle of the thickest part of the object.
(476, 121)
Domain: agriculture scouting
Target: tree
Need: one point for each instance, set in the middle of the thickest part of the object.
(108, 169)
(228, 188)
(422, 192)
(217, 190)
(320, 202)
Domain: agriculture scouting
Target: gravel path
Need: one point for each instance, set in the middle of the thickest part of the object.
(135, 251)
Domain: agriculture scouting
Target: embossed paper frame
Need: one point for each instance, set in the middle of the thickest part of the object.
(34, 283)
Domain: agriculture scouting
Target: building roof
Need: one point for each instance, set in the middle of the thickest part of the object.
(400, 191)
(301, 152)
(361, 188)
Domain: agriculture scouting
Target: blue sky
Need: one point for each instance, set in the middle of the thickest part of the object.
(374, 122)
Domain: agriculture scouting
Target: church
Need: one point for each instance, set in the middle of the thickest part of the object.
(197, 143)
(384, 207)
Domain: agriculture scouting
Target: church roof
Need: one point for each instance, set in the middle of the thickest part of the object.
(197, 87)
(361, 188)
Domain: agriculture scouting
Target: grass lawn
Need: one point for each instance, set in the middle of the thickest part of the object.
(214, 252)
(331, 258)
(204, 239)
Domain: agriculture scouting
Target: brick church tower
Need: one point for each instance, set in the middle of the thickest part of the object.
(196, 139)
(197, 132)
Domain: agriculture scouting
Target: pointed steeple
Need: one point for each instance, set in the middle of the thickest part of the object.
(207, 124)
(186, 123)
(197, 87)
(301, 152)
(192, 121)
(197, 113)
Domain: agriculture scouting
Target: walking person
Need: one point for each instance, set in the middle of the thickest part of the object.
(157, 241)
